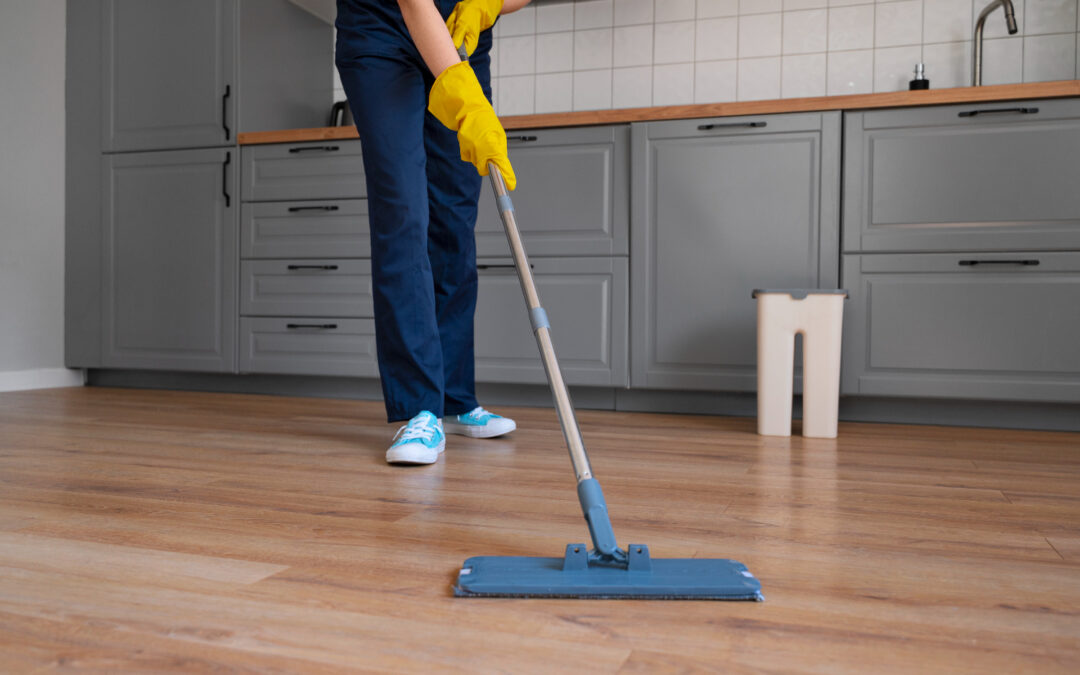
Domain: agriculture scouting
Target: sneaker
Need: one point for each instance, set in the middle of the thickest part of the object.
(418, 442)
(479, 424)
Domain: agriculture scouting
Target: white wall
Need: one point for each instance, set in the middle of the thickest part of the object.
(595, 54)
(32, 36)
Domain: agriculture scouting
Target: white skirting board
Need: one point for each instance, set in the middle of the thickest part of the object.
(41, 378)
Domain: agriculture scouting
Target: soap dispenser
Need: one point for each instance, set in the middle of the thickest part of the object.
(920, 81)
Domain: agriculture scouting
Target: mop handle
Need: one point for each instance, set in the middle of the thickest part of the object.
(541, 328)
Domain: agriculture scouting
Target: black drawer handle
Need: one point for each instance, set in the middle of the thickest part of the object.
(973, 263)
(225, 179)
(294, 209)
(320, 326)
(224, 111)
(312, 267)
(508, 266)
(999, 111)
(732, 125)
(522, 139)
(316, 148)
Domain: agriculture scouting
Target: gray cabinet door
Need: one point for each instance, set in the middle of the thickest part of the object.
(721, 207)
(168, 74)
(308, 346)
(306, 288)
(572, 194)
(169, 260)
(320, 170)
(977, 177)
(973, 325)
(586, 301)
(324, 229)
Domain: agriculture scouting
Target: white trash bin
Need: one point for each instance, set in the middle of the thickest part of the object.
(819, 316)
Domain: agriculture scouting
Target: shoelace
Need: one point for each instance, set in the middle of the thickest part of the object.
(416, 430)
(479, 414)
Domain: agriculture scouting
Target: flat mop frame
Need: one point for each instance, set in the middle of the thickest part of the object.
(606, 571)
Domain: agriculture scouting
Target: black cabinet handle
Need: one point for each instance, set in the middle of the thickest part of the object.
(1025, 262)
(508, 266)
(224, 110)
(731, 125)
(320, 326)
(312, 267)
(998, 111)
(522, 138)
(225, 178)
(316, 148)
(294, 209)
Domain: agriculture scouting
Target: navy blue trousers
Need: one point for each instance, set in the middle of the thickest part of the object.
(422, 208)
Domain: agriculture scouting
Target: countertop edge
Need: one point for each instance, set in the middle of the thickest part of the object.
(899, 99)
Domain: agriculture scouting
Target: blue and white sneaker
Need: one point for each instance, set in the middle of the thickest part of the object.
(479, 423)
(418, 442)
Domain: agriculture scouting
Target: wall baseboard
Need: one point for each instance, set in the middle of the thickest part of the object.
(41, 378)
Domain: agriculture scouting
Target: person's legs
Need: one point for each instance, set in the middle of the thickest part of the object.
(453, 190)
(388, 97)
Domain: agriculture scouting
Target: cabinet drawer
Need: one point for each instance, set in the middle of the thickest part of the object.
(319, 170)
(572, 196)
(981, 326)
(306, 288)
(324, 229)
(586, 300)
(308, 346)
(976, 177)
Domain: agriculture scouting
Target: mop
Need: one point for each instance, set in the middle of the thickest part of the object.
(605, 570)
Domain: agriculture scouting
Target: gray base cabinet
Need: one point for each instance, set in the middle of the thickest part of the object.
(722, 207)
(586, 300)
(1000, 326)
(169, 253)
(572, 197)
(308, 346)
(306, 287)
(979, 177)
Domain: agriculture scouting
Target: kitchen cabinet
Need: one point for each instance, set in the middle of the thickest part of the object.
(969, 325)
(973, 177)
(291, 171)
(586, 300)
(169, 260)
(572, 197)
(721, 207)
(169, 74)
(299, 287)
(308, 346)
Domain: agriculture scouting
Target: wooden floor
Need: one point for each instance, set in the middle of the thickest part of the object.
(166, 531)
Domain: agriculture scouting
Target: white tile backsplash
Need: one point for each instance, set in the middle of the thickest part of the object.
(633, 12)
(851, 27)
(715, 81)
(1049, 57)
(673, 42)
(554, 52)
(805, 31)
(588, 54)
(631, 87)
(674, 10)
(554, 18)
(592, 89)
(716, 39)
(850, 72)
(633, 45)
(592, 49)
(759, 78)
(673, 84)
(898, 23)
(759, 35)
(802, 75)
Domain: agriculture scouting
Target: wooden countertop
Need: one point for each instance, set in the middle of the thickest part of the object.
(1003, 92)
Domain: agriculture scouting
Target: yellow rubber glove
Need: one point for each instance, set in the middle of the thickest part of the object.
(457, 101)
(469, 19)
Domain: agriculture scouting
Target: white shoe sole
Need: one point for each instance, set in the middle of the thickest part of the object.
(489, 430)
(414, 453)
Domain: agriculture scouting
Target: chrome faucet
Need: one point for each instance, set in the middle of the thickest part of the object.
(1010, 21)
